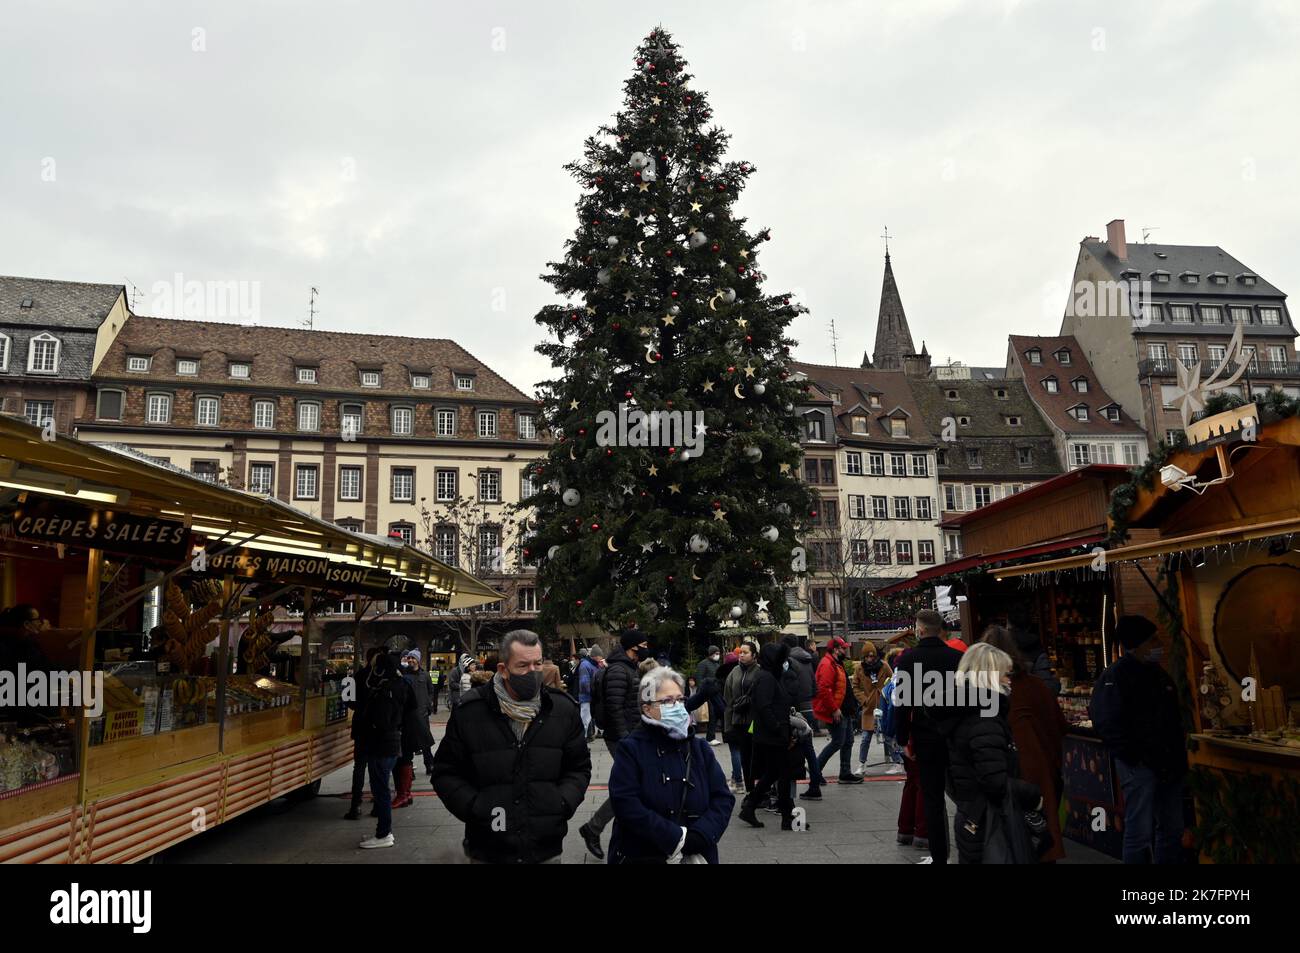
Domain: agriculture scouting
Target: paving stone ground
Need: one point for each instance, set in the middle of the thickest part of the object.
(850, 825)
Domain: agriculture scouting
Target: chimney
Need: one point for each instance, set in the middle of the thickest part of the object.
(1115, 239)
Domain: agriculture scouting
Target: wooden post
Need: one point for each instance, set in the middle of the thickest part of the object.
(89, 622)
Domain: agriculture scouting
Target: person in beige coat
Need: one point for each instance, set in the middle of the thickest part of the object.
(869, 676)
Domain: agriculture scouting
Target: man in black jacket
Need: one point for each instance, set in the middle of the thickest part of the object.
(1135, 710)
(387, 703)
(801, 686)
(923, 726)
(706, 680)
(514, 764)
(359, 760)
(622, 715)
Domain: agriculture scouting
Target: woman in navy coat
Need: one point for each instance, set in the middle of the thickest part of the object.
(670, 796)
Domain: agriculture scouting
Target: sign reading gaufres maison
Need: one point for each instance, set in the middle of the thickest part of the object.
(318, 571)
(111, 531)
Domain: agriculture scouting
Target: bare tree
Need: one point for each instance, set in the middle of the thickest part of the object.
(841, 558)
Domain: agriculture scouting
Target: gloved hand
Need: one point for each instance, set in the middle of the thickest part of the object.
(696, 843)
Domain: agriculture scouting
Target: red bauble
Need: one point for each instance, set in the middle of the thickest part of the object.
(627, 393)
(640, 61)
(671, 451)
(600, 180)
(669, 253)
(688, 99)
(731, 370)
(674, 294)
(616, 325)
(609, 453)
(740, 270)
(748, 339)
(670, 578)
(813, 514)
(578, 602)
(703, 179)
(670, 403)
(637, 176)
(582, 432)
(594, 527)
(717, 504)
(658, 356)
(715, 247)
(722, 188)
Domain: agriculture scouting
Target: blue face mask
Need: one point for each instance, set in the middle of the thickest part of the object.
(675, 718)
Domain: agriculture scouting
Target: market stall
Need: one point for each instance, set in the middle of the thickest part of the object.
(142, 697)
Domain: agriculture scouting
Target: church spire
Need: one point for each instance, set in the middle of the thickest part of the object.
(893, 338)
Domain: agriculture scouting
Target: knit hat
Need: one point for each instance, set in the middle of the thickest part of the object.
(466, 659)
(1132, 630)
(837, 643)
(713, 650)
(631, 638)
(596, 652)
(413, 653)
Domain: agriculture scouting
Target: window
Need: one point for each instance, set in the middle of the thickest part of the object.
(1172, 437)
(941, 458)
(902, 508)
(527, 485)
(43, 354)
(1180, 314)
(4, 352)
(1024, 456)
(1130, 454)
(1104, 453)
(952, 394)
(350, 417)
(158, 409)
(1211, 314)
(464, 382)
(811, 472)
(1216, 353)
(1111, 413)
(527, 424)
(828, 472)
(874, 401)
(350, 483)
(444, 485)
(1240, 315)
(403, 480)
(305, 481)
(951, 545)
(1158, 355)
(187, 367)
(853, 463)
(444, 546)
(489, 549)
(876, 462)
(403, 531)
(261, 477)
(1050, 385)
(205, 470)
(974, 460)
(1063, 355)
(207, 411)
(487, 423)
(1277, 358)
(1188, 354)
(883, 553)
(814, 427)
(109, 405)
(306, 375)
(369, 378)
(1080, 412)
(527, 600)
(925, 552)
(1035, 355)
(239, 369)
(897, 427)
(489, 486)
(1270, 316)
(819, 599)
(1080, 454)
(403, 421)
(1168, 394)
(264, 414)
(897, 464)
(903, 550)
(857, 507)
(1013, 421)
(308, 416)
(859, 424)
(1080, 384)
(1000, 393)
(38, 411)
(879, 508)
(861, 552)
(1252, 362)
(983, 496)
(963, 421)
(446, 423)
(920, 465)
(1156, 313)
(420, 381)
(830, 510)
(924, 510)
(135, 362)
(954, 499)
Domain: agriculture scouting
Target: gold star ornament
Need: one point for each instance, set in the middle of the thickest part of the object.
(719, 516)
(654, 470)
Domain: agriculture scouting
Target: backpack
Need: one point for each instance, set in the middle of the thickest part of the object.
(886, 721)
(598, 698)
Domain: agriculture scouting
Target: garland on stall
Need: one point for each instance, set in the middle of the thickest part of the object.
(1170, 615)
(1246, 818)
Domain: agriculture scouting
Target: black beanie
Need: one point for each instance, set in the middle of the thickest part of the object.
(1132, 630)
(631, 638)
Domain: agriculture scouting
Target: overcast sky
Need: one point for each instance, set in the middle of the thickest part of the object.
(406, 158)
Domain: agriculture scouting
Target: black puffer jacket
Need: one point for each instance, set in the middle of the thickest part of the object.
(537, 783)
(799, 680)
(771, 701)
(387, 707)
(622, 698)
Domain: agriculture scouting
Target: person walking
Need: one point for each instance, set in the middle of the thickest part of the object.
(829, 707)
(587, 670)
(360, 760)
(513, 765)
(620, 714)
(738, 714)
(706, 677)
(924, 722)
(885, 725)
(436, 678)
(387, 699)
(422, 691)
(774, 748)
(413, 738)
(1135, 709)
(801, 685)
(454, 681)
(670, 796)
(869, 678)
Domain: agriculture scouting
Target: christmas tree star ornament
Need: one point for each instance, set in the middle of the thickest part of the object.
(647, 547)
(741, 322)
(645, 331)
(749, 370)
(591, 311)
(654, 470)
(785, 468)
(696, 206)
(762, 605)
(573, 405)
(628, 296)
(627, 489)
(668, 319)
(719, 516)
(674, 488)
(679, 271)
(708, 387)
(644, 186)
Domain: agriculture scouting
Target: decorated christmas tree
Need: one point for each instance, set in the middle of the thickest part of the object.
(671, 497)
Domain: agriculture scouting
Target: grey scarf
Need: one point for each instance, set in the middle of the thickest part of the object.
(520, 713)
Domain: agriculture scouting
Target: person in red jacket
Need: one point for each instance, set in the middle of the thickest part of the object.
(835, 707)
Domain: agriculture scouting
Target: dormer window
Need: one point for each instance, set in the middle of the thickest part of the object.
(1247, 278)
(1160, 276)
(1000, 393)
(963, 421)
(1129, 273)
(239, 369)
(875, 401)
(306, 375)
(4, 352)
(1051, 385)
(137, 363)
(1063, 355)
(1191, 277)
(815, 427)
(859, 424)
(1013, 421)
(369, 378)
(186, 366)
(1111, 413)
(1218, 278)
(43, 354)
(464, 382)
(420, 381)
(1270, 316)
(1034, 355)
(897, 427)
(1079, 412)
(952, 394)
(1180, 314)
(1080, 384)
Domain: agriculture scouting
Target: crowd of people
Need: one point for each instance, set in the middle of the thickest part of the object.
(515, 764)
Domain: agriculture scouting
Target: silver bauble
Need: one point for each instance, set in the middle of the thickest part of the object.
(571, 497)
(754, 453)
(639, 160)
(551, 553)
(611, 241)
(760, 388)
(699, 544)
(729, 295)
(698, 239)
(771, 534)
(737, 611)
(602, 276)
(675, 309)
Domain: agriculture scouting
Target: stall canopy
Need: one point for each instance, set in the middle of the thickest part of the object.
(248, 535)
(928, 576)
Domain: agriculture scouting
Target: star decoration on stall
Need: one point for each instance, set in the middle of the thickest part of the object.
(708, 387)
(654, 470)
(719, 516)
(669, 319)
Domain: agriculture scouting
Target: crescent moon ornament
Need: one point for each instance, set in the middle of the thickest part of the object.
(693, 575)
(735, 390)
(572, 457)
(639, 248)
(650, 356)
(713, 303)
(609, 544)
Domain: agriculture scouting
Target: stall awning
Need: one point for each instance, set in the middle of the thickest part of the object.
(1161, 547)
(974, 562)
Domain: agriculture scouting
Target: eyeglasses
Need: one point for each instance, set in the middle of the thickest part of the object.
(674, 700)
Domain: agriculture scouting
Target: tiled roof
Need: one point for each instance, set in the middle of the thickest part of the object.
(1055, 406)
(274, 353)
(1202, 259)
(854, 386)
(988, 430)
(76, 353)
(55, 304)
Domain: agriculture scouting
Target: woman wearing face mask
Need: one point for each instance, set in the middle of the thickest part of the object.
(774, 752)
(738, 712)
(670, 796)
(868, 678)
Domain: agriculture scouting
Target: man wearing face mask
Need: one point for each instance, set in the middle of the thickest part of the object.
(706, 677)
(1135, 710)
(514, 764)
(669, 794)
